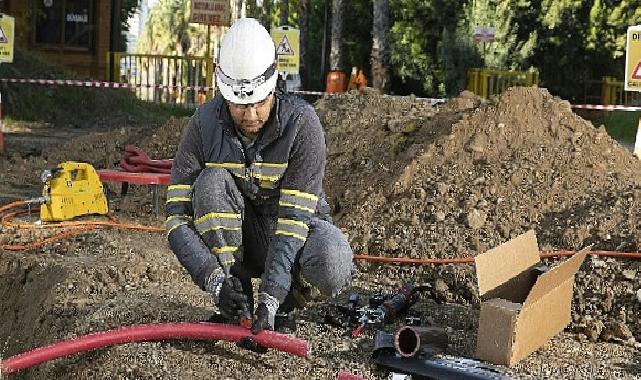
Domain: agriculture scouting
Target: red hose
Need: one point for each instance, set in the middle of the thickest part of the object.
(152, 332)
(343, 375)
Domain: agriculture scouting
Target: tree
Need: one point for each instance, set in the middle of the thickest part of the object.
(266, 17)
(337, 35)
(303, 26)
(381, 45)
(284, 12)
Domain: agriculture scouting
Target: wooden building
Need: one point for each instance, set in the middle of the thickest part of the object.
(75, 33)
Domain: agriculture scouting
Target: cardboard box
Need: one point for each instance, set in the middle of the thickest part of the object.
(523, 305)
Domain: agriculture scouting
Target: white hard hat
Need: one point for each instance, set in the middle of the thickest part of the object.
(246, 71)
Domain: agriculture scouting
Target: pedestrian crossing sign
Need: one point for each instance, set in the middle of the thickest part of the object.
(633, 59)
(6, 38)
(286, 40)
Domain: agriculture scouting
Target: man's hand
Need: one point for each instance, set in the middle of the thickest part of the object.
(233, 302)
(265, 313)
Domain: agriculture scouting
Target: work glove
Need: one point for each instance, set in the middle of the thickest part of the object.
(229, 295)
(265, 313)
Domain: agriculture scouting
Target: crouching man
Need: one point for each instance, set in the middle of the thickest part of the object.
(246, 198)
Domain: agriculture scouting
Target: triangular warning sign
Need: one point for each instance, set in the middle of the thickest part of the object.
(3, 37)
(284, 47)
(636, 73)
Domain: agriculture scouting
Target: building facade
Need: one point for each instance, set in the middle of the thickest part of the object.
(75, 33)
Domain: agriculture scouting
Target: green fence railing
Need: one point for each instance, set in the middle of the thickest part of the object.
(163, 78)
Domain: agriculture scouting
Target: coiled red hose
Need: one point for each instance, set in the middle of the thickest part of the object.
(152, 332)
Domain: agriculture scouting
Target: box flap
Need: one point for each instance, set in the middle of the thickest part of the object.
(500, 264)
(556, 276)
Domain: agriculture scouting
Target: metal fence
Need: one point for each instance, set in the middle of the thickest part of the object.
(487, 82)
(163, 78)
(612, 92)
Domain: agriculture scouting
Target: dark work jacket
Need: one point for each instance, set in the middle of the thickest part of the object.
(281, 175)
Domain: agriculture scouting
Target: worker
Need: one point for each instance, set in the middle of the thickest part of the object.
(246, 197)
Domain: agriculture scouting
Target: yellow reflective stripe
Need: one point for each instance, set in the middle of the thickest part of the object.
(178, 199)
(214, 215)
(297, 236)
(225, 165)
(293, 222)
(271, 165)
(179, 187)
(297, 193)
(263, 177)
(225, 249)
(286, 204)
(214, 228)
(174, 221)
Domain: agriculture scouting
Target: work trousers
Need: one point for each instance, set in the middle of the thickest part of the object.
(321, 268)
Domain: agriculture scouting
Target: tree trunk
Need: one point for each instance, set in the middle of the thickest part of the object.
(337, 35)
(303, 26)
(267, 14)
(381, 46)
(284, 12)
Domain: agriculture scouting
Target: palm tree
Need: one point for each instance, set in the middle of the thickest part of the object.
(381, 46)
(337, 35)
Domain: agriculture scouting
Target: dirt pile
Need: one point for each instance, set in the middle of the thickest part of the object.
(406, 181)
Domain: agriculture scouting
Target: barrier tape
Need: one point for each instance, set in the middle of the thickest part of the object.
(101, 84)
(98, 84)
(617, 107)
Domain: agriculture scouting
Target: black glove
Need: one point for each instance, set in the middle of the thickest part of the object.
(232, 301)
(261, 321)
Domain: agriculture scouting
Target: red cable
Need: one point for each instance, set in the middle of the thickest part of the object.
(152, 332)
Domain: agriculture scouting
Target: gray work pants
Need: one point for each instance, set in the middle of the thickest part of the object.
(321, 268)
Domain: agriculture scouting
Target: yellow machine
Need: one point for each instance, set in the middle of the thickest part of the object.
(70, 190)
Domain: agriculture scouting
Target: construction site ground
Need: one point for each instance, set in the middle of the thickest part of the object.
(405, 179)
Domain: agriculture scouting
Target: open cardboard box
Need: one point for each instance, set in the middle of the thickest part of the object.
(524, 306)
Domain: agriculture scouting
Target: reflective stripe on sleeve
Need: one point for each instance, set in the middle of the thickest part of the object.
(293, 228)
(298, 200)
(218, 221)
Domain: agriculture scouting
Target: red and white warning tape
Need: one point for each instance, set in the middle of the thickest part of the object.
(98, 84)
(101, 84)
(605, 108)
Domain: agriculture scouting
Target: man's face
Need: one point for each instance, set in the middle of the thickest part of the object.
(250, 118)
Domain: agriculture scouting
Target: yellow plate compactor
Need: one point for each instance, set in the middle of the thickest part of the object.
(70, 190)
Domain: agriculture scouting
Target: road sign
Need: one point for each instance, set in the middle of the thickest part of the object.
(211, 12)
(6, 38)
(633, 59)
(286, 40)
(484, 33)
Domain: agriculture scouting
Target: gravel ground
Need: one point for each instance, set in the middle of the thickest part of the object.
(405, 179)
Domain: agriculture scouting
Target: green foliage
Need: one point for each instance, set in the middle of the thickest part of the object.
(458, 55)
(90, 106)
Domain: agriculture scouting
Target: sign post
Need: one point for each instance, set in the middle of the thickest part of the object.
(484, 34)
(633, 72)
(7, 26)
(210, 12)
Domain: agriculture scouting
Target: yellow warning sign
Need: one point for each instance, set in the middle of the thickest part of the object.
(6, 38)
(633, 59)
(286, 40)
